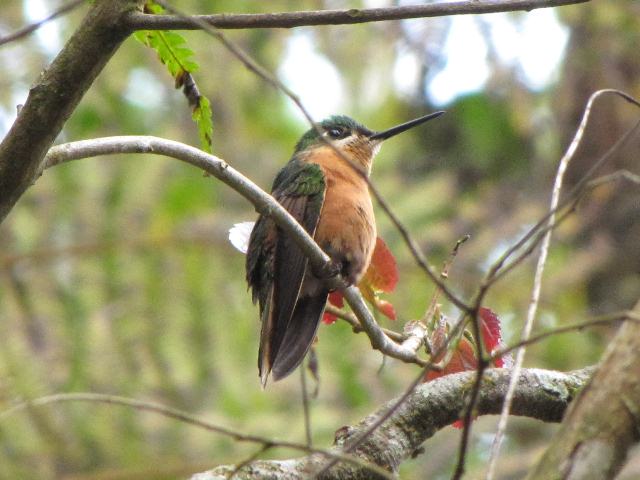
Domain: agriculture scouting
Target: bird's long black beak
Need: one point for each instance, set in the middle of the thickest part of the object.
(390, 132)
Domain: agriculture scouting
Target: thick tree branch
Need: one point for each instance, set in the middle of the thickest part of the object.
(56, 94)
(140, 21)
(264, 203)
(540, 394)
(604, 422)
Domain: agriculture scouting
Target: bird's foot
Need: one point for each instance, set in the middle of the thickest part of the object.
(328, 270)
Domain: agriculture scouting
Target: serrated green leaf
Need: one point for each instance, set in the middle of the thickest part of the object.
(174, 53)
(202, 115)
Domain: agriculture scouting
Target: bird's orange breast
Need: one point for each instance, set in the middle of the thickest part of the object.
(346, 229)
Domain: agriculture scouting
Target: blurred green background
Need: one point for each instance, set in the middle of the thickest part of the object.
(116, 275)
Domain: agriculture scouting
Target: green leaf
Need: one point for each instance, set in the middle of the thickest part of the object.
(202, 115)
(173, 52)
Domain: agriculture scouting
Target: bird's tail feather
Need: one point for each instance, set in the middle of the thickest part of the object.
(299, 335)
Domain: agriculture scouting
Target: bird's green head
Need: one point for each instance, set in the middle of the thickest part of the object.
(337, 128)
(351, 137)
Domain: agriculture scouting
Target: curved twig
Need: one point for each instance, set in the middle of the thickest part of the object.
(190, 419)
(141, 21)
(28, 29)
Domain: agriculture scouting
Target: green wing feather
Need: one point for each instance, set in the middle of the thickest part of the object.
(275, 265)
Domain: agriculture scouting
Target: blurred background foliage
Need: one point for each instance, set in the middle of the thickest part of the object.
(116, 275)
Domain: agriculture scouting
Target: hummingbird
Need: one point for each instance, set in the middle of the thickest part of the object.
(324, 187)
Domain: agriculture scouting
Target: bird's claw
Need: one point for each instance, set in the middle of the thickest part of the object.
(329, 270)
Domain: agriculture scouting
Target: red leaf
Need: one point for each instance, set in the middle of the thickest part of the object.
(386, 308)
(382, 274)
(491, 333)
(336, 299)
(329, 318)
(463, 359)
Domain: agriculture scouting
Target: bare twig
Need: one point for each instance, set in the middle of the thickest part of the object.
(575, 191)
(187, 418)
(352, 320)
(247, 461)
(431, 309)
(140, 21)
(537, 283)
(467, 418)
(27, 30)
(600, 320)
(568, 206)
(305, 405)
(539, 232)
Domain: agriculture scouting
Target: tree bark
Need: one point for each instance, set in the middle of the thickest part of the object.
(540, 394)
(55, 95)
(604, 422)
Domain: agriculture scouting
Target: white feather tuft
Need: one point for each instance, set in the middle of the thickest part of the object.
(239, 235)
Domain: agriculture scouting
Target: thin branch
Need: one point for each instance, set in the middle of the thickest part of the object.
(352, 320)
(263, 202)
(141, 21)
(444, 274)
(29, 29)
(305, 406)
(569, 206)
(187, 418)
(537, 283)
(247, 461)
(539, 232)
(575, 191)
(467, 418)
(598, 321)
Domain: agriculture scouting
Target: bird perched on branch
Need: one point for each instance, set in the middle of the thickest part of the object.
(324, 187)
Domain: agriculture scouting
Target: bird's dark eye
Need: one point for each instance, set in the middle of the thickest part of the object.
(336, 132)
